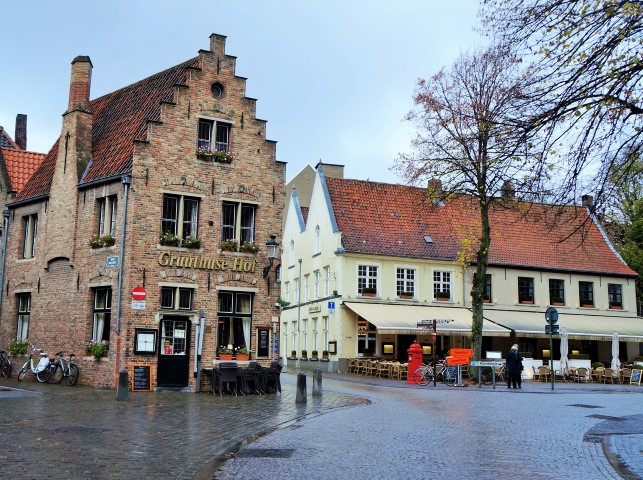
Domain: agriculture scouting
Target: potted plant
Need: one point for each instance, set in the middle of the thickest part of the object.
(527, 299)
(97, 349)
(108, 240)
(406, 295)
(230, 245)
(616, 305)
(587, 304)
(293, 354)
(325, 355)
(225, 353)
(558, 301)
(368, 292)
(242, 354)
(18, 347)
(315, 355)
(169, 239)
(282, 303)
(485, 298)
(191, 242)
(304, 354)
(442, 296)
(250, 247)
(223, 157)
(204, 154)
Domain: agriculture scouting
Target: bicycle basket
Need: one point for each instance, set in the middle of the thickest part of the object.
(42, 364)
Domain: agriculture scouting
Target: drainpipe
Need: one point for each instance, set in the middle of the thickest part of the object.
(126, 180)
(299, 312)
(5, 232)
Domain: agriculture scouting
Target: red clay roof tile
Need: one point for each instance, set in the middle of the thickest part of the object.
(21, 165)
(119, 118)
(385, 219)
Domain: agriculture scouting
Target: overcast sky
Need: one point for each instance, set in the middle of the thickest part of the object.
(333, 79)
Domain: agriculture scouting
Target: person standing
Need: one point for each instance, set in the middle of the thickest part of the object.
(514, 367)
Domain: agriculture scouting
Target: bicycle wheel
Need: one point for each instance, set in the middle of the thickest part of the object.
(72, 378)
(23, 372)
(419, 376)
(6, 366)
(450, 375)
(54, 373)
(43, 374)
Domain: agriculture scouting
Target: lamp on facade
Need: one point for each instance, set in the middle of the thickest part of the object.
(272, 250)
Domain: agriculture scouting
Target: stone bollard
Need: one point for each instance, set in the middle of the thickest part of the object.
(301, 388)
(123, 386)
(317, 382)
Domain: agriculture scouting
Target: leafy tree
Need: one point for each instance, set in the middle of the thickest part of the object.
(587, 92)
(467, 139)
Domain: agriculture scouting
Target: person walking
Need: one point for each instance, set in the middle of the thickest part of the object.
(514, 367)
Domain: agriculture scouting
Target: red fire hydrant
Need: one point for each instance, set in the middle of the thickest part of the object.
(415, 360)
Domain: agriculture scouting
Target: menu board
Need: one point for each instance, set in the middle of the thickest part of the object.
(263, 345)
(141, 378)
(636, 377)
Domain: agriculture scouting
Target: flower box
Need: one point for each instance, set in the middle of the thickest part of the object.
(406, 295)
(229, 245)
(216, 156)
(242, 357)
(225, 356)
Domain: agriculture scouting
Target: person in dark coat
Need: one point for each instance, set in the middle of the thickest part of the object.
(514, 367)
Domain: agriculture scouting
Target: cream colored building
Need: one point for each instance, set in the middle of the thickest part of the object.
(360, 235)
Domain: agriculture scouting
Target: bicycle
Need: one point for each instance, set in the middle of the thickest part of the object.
(5, 364)
(39, 369)
(426, 374)
(62, 368)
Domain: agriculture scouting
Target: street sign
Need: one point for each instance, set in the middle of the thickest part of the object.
(487, 363)
(139, 293)
(112, 262)
(331, 307)
(552, 329)
(551, 315)
(138, 304)
(429, 323)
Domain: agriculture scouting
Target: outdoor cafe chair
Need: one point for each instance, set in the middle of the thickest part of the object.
(351, 365)
(273, 382)
(597, 374)
(228, 376)
(544, 374)
(608, 375)
(580, 374)
(626, 375)
(371, 367)
(383, 369)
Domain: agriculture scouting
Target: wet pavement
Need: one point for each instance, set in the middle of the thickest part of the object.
(361, 427)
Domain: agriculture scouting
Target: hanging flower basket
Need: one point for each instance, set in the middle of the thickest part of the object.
(215, 156)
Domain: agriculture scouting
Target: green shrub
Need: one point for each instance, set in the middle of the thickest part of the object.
(598, 365)
(18, 347)
(636, 367)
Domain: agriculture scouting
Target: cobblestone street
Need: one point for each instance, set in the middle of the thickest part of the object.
(389, 429)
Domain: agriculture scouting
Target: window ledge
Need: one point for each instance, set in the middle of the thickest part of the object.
(528, 305)
(316, 254)
(22, 260)
(170, 247)
(442, 301)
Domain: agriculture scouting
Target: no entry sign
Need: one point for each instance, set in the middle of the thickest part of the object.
(139, 293)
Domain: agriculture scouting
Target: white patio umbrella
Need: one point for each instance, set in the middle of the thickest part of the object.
(564, 351)
(616, 363)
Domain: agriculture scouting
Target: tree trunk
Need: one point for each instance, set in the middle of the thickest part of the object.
(477, 290)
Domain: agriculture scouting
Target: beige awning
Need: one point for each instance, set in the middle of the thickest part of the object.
(579, 327)
(403, 319)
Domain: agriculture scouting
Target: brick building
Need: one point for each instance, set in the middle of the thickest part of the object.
(140, 190)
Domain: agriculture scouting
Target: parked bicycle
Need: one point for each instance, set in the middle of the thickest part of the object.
(38, 369)
(426, 373)
(5, 364)
(62, 368)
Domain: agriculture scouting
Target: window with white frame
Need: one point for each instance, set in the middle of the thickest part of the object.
(213, 136)
(327, 281)
(24, 315)
(102, 314)
(405, 283)
(238, 222)
(107, 216)
(304, 333)
(284, 335)
(367, 279)
(180, 215)
(307, 288)
(442, 284)
(316, 285)
(615, 295)
(296, 291)
(287, 291)
(317, 240)
(176, 298)
(315, 346)
(30, 235)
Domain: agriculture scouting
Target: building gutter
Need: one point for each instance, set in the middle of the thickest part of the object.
(126, 180)
(5, 231)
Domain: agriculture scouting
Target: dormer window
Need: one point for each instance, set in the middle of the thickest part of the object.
(213, 136)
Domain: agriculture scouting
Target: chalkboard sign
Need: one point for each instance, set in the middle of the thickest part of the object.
(141, 378)
(636, 377)
(263, 345)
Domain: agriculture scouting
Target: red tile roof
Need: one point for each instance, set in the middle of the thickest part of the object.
(119, 118)
(385, 219)
(21, 165)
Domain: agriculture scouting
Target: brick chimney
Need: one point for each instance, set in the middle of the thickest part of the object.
(508, 190)
(80, 82)
(21, 131)
(587, 201)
